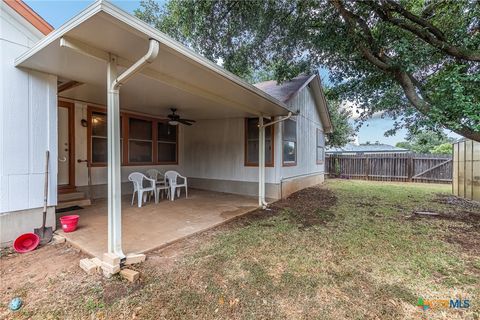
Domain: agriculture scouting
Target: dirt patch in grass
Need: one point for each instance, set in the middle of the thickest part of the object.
(456, 209)
(458, 202)
(467, 213)
(114, 291)
(309, 207)
(467, 238)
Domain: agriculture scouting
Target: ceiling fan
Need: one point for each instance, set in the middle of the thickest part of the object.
(175, 119)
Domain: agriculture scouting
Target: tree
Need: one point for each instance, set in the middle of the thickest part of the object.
(444, 148)
(415, 60)
(343, 131)
(427, 142)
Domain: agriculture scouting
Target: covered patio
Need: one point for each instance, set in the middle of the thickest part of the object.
(153, 225)
(136, 75)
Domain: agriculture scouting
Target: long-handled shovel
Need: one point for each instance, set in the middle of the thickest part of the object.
(45, 233)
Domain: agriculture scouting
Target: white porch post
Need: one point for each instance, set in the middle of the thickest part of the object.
(114, 169)
(261, 162)
(261, 156)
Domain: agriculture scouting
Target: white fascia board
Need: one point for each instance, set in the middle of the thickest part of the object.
(149, 32)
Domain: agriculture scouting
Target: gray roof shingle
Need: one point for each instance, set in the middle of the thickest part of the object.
(283, 91)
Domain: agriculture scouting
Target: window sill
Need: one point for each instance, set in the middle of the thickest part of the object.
(268, 165)
(289, 164)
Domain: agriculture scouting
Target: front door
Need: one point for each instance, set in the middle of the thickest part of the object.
(66, 161)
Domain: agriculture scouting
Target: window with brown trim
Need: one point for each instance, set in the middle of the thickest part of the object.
(252, 143)
(320, 146)
(289, 139)
(98, 138)
(140, 140)
(167, 142)
(148, 140)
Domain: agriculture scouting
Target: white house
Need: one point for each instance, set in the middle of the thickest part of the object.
(265, 140)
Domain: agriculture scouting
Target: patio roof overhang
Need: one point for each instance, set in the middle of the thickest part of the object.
(104, 47)
(178, 77)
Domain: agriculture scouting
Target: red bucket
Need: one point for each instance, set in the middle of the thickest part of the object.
(26, 242)
(69, 223)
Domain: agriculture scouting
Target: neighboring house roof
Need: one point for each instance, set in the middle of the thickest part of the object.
(287, 90)
(367, 148)
(31, 16)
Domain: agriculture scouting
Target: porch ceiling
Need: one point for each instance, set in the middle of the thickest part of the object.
(181, 78)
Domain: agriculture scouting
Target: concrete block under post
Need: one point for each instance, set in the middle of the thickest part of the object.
(97, 262)
(111, 259)
(134, 258)
(109, 269)
(88, 266)
(130, 275)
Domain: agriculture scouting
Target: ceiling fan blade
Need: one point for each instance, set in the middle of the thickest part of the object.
(183, 121)
(188, 120)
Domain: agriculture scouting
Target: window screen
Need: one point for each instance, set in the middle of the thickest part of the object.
(252, 143)
(167, 143)
(289, 142)
(140, 141)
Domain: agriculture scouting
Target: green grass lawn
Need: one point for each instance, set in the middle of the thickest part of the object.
(350, 249)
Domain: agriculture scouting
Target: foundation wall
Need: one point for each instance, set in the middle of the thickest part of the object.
(291, 185)
(16, 223)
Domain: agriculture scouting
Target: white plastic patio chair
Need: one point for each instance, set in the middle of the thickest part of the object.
(156, 175)
(172, 180)
(160, 181)
(137, 179)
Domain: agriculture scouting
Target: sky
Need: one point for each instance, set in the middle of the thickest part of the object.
(58, 12)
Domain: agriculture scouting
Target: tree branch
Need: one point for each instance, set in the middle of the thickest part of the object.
(427, 32)
(409, 84)
(420, 21)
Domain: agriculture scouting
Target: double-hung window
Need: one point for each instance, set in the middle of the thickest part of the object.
(320, 146)
(166, 143)
(252, 143)
(98, 138)
(289, 142)
(140, 141)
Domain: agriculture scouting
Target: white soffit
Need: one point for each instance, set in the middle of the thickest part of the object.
(195, 85)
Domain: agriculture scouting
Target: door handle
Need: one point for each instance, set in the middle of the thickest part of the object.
(64, 159)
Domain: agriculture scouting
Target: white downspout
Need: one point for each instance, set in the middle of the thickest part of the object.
(261, 161)
(114, 81)
(261, 157)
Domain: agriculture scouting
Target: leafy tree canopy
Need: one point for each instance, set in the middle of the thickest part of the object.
(444, 148)
(343, 130)
(428, 142)
(417, 61)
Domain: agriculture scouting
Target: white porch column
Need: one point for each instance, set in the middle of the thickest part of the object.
(261, 162)
(114, 161)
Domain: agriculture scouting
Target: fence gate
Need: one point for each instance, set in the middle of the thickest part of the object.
(391, 167)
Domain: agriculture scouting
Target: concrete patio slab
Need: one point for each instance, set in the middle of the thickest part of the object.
(156, 225)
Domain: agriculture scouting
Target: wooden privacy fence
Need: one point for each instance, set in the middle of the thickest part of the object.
(409, 167)
(466, 169)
